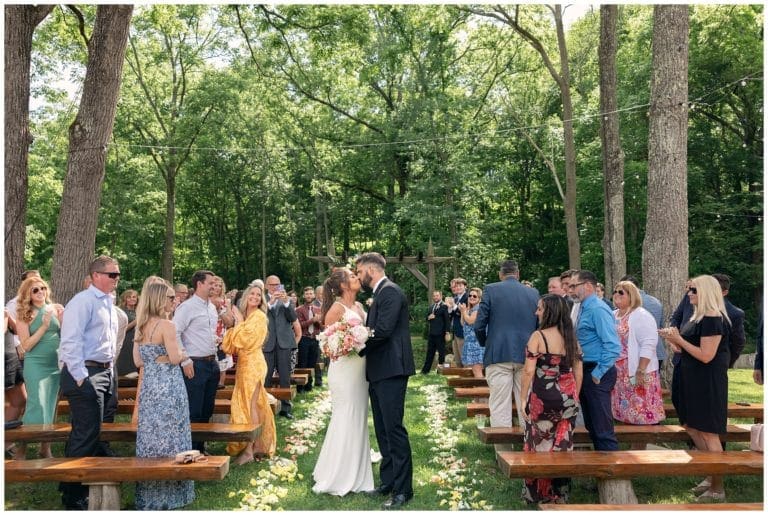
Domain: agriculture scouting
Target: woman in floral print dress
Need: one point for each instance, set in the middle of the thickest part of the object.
(552, 375)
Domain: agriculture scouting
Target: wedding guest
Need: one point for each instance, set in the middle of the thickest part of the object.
(323, 361)
(550, 384)
(86, 355)
(163, 417)
(473, 352)
(600, 292)
(309, 320)
(128, 302)
(703, 408)
(281, 338)
(250, 403)
(195, 321)
(555, 287)
(15, 393)
(223, 305)
(757, 373)
(636, 397)
(459, 290)
(38, 324)
(438, 329)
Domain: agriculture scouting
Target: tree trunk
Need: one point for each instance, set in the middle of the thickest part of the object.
(20, 24)
(88, 138)
(571, 225)
(615, 258)
(665, 248)
(170, 221)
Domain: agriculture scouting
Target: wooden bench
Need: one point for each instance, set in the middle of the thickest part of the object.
(624, 433)
(455, 371)
(753, 411)
(296, 379)
(309, 372)
(472, 392)
(123, 432)
(104, 475)
(731, 506)
(466, 382)
(609, 466)
(130, 393)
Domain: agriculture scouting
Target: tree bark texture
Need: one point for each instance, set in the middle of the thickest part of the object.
(20, 24)
(170, 224)
(615, 258)
(88, 138)
(571, 223)
(665, 248)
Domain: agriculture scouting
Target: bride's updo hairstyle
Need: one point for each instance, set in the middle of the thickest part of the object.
(332, 287)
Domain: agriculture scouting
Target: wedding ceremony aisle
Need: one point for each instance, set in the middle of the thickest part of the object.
(453, 469)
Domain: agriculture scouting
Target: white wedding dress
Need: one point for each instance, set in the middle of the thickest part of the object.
(344, 463)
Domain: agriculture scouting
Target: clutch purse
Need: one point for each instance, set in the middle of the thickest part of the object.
(190, 456)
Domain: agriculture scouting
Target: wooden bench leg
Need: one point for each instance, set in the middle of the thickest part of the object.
(616, 491)
(104, 496)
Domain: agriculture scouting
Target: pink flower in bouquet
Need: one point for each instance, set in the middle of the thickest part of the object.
(342, 338)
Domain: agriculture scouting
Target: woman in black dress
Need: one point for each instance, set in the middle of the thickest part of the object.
(703, 406)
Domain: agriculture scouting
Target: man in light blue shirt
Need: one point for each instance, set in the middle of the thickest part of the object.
(86, 354)
(596, 332)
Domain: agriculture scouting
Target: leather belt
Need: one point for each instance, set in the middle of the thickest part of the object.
(212, 357)
(98, 364)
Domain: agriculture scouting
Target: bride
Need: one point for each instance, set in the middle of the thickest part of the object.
(344, 463)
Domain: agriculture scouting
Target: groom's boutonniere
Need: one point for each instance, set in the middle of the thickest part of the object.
(369, 302)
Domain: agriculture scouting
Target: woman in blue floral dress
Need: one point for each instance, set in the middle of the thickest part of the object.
(163, 415)
(552, 374)
(472, 354)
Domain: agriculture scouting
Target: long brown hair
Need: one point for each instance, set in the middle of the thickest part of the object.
(558, 314)
(332, 287)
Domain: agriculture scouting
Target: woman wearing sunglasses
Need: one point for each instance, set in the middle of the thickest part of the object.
(636, 398)
(472, 354)
(38, 324)
(703, 400)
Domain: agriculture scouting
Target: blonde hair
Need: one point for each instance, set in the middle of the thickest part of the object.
(635, 300)
(243, 304)
(479, 292)
(151, 304)
(709, 297)
(124, 298)
(24, 306)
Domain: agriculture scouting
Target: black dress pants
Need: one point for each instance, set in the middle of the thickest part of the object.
(201, 391)
(86, 411)
(435, 343)
(308, 350)
(388, 406)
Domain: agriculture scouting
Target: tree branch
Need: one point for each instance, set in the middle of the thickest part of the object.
(80, 23)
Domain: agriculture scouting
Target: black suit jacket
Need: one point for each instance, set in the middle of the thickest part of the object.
(388, 353)
(438, 325)
(734, 333)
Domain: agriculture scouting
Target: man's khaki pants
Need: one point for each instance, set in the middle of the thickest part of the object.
(504, 383)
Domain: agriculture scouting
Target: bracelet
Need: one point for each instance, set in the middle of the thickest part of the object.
(186, 362)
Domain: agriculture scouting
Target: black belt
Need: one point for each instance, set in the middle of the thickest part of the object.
(98, 364)
(212, 357)
(590, 364)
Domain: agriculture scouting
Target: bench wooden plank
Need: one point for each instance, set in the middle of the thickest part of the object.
(296, 379)
(732, 506)
(472, 392)
(125, 432)
(753, 411)
(624, 433)
(114, 469)
(627, 464)
(455, 371)
(466, 382)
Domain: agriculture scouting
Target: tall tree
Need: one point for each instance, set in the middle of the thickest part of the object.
(614, 255)
(88, 138)
(20, 24)
(561, 74)
(665, 247)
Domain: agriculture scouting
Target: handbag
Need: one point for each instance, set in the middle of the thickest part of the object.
(756, 438)
(190, 456)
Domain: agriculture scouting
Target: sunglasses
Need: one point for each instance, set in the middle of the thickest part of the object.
(111, 275)
(472, 296)
(618, 292)
(693, 290)
(37, 290)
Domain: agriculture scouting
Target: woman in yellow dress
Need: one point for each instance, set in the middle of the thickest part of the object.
(250, 404)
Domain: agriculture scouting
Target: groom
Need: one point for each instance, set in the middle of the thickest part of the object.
(389, 362)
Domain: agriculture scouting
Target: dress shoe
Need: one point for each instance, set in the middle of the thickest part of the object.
(286, 414)
(381, 490)
(397, 501)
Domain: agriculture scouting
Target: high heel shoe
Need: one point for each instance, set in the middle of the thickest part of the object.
(711, 496)
(701, 487)
(243, 459)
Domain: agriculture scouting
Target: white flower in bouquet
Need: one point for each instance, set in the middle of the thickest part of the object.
(343, 337)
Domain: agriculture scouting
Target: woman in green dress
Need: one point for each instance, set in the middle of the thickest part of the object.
(38, 326)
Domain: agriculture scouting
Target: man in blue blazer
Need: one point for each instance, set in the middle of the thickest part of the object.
(388, 364)
(507, 314)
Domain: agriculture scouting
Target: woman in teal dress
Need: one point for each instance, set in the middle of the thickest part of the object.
(38, 327)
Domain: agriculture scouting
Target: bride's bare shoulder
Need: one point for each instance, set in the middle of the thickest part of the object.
(334, 313)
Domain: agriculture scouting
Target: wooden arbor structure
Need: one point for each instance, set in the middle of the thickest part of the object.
(411, 263)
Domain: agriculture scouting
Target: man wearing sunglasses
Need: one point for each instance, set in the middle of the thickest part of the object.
(86, 354)
(596, 333)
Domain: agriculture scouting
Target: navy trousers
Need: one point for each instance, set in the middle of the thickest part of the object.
(596, 405)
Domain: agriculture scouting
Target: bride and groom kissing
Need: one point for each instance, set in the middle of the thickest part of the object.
(381, 371)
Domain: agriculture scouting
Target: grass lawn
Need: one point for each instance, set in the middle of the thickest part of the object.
(478, 463)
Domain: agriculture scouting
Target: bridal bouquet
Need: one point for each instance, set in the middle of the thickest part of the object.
(343, 337)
